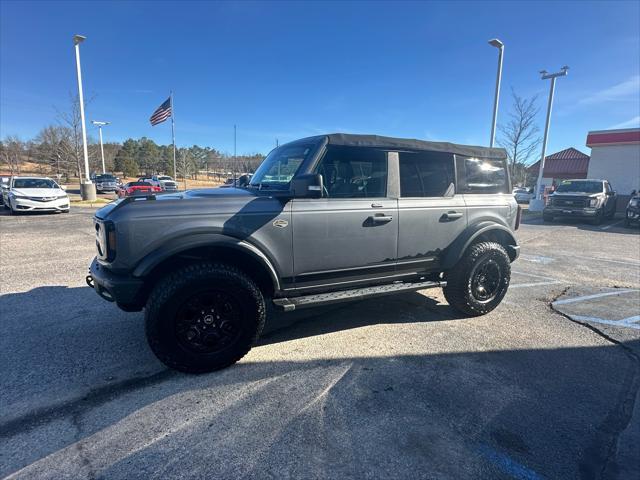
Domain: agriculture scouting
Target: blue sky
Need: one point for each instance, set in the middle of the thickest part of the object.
(293, 69)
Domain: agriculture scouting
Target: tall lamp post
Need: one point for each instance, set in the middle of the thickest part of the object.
(537, 205)
(100, 125)
(87, 189)
(500, 46)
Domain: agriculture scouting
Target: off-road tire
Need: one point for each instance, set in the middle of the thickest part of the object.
(459, 291)
(627, 223)
(547, 218)
(175, 289)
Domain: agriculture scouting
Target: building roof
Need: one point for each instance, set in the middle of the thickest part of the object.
(564, 164)
(376, 141)
(600, 138)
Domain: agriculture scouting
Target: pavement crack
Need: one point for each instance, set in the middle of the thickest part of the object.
(77, 406)
(599, 458)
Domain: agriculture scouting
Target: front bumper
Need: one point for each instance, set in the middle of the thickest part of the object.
(633, 214)
(125, 290)
(587, 212)
(27, 205)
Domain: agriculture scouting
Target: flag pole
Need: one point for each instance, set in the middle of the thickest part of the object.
(173, 137)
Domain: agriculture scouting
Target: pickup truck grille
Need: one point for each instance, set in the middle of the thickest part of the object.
(573, 202)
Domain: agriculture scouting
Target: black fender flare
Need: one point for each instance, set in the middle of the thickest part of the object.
(454, 252)
(185, 243)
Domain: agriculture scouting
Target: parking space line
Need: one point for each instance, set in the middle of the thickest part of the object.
(535, 284)
(607, 227)
(532, 275)
(589, 297)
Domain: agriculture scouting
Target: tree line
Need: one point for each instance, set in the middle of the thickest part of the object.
(57, 151)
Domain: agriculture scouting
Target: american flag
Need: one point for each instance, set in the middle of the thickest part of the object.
(162, 113)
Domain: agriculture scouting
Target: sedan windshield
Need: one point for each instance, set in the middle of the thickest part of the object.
(582, 186)
(164, 178)
(277, 170)
(34, 183)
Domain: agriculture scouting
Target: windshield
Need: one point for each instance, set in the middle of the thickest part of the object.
(34, 183)
(105, 178)
(139, 184)
(164, 178)
(277, 170)
(580, 186)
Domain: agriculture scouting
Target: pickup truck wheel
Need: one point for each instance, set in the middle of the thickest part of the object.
(204, 317)
(479, 281)
(547, 218)
(597, 220)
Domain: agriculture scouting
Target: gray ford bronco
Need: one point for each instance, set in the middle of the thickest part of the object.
(324, 219)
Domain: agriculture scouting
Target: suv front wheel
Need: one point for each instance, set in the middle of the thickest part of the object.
(479, 281)
(204, 317)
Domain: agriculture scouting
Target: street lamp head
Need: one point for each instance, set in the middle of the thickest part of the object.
(99, 124)
(77, 39)
(543, 72)
(494, 42)
(565, 69)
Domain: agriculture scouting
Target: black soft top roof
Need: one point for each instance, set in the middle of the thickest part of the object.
(377, 141)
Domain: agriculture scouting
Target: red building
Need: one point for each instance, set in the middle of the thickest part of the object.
(563, 165)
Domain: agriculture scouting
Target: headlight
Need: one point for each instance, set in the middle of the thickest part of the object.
(594, 202)
(17, 196)
(62, 196)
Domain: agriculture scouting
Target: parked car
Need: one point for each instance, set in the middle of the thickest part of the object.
(137, 188)
(632, 213)
(589, 199)
(324, 219)
(4, 183)
(523, 195)
(27, 194)
(165, 182)
(105, 182)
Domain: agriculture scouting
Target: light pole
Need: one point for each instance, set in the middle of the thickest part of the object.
(537, 205)
(500, 46)
(87, 189)
(100, 125)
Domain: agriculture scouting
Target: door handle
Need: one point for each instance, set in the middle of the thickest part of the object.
(381, 218)
(377, 205)
(451, 216)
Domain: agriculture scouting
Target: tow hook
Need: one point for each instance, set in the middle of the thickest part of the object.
(89, 280)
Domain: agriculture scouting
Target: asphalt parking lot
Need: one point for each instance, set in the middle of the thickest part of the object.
(546, 386)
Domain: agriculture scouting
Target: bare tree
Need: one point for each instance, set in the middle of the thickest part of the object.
(12, 152)
(56, 149)
(71, 119)
(520, 135)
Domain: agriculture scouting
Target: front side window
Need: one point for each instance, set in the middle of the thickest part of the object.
(426, 174)
(484, 176)
(353, 172)
(277, 170)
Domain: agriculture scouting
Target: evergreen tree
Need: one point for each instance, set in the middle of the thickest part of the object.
(126, 159)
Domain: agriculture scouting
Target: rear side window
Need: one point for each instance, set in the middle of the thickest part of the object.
(481, 175)
(426, 174)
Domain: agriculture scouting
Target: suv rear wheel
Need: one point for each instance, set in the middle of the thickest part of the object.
(479, 281)
(204, 317)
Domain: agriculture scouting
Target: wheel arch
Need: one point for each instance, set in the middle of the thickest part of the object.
(179, 252)
(483, 231)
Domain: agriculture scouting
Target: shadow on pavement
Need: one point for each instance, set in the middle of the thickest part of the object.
(528, 413)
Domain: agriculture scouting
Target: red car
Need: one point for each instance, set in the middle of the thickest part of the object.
(137, 188)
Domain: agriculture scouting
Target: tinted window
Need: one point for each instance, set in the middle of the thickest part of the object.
(579, 186)
(483, 176)
(352, 172)
(426, 174)
(139, 184)
(34, 183)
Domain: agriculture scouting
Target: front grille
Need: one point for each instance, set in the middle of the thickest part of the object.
(42, 199)
(573, 202)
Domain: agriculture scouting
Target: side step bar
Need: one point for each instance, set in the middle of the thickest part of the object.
(307, 301)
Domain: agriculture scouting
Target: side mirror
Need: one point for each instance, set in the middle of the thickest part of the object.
(63, 187)
(309, 185)
(610, 193)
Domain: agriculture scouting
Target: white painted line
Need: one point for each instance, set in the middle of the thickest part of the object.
(535, 284)
(607, 227)
(589, 297)
(633, 263)
(617, 323)
(532, 275)
(536, 258)
(632, 319)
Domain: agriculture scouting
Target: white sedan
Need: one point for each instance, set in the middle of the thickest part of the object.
(523, 195)
(29, 194)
